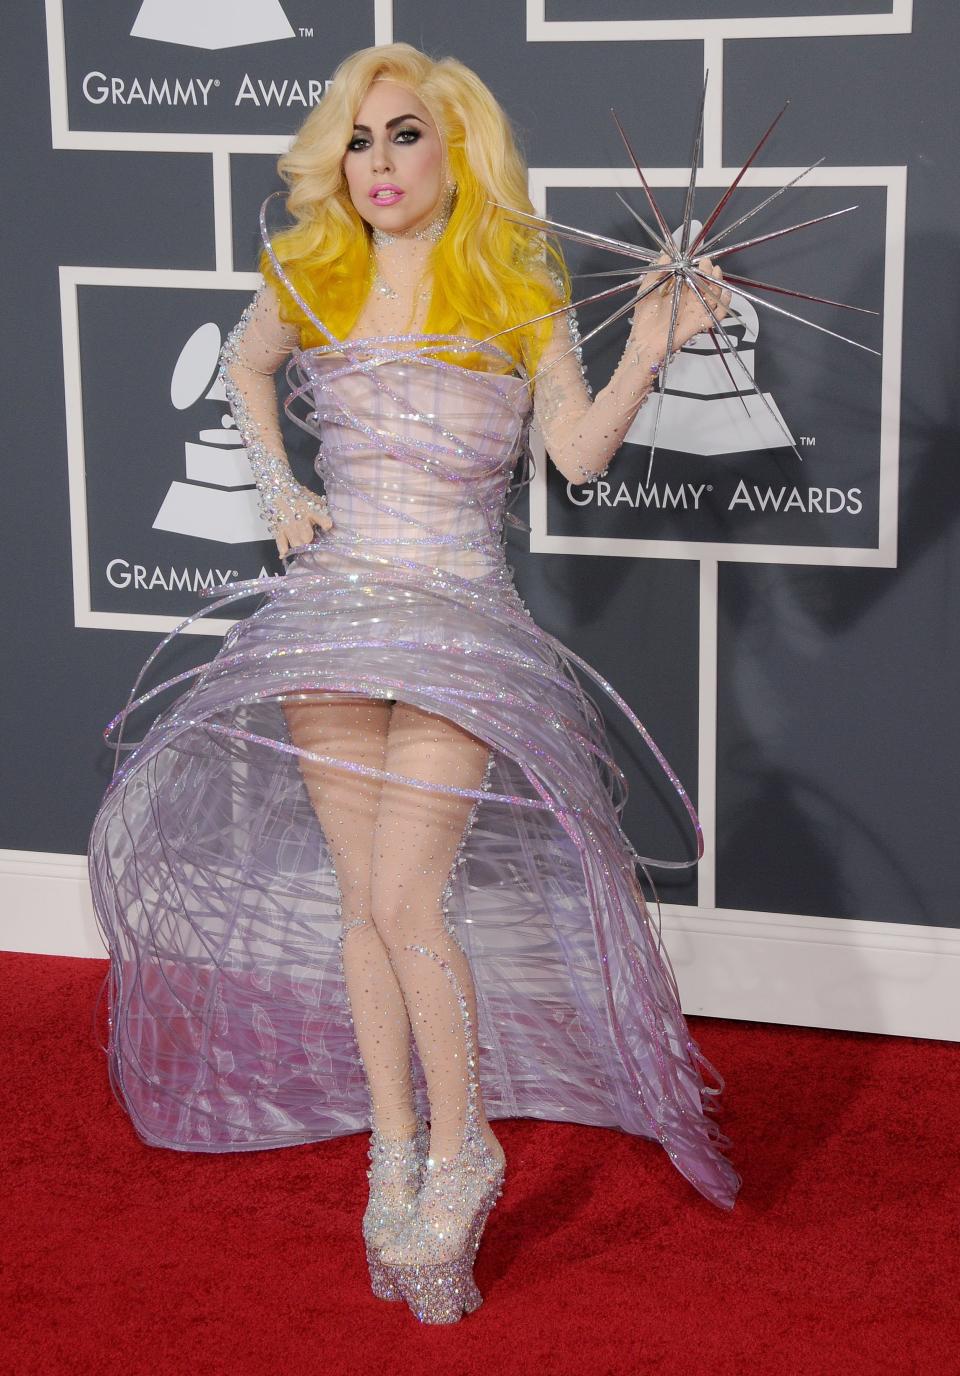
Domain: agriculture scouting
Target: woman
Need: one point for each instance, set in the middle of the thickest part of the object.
(385, 815)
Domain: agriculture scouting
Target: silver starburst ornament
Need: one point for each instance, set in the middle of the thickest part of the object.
(684, 252)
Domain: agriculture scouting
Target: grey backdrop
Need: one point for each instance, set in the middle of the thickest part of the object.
(837, 789)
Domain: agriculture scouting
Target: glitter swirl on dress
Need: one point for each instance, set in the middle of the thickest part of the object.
(212, 879)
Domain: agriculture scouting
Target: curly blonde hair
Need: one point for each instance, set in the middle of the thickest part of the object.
(490, 274)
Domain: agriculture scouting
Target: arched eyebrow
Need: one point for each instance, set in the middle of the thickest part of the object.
(397, 119)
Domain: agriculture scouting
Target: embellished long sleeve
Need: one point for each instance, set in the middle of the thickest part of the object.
(254, 349)
(582, 434)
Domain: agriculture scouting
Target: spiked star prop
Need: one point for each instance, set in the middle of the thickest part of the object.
(684, 253)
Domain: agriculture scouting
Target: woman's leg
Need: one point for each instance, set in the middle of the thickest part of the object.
(415, 844)
(347, 806)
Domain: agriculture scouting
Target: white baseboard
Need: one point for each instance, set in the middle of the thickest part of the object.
(45, 905)
(855, 975)
(852, 974)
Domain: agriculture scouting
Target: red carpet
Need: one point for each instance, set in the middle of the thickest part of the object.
(840, 1255)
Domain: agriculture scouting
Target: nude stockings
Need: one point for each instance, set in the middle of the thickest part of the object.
(392, 848)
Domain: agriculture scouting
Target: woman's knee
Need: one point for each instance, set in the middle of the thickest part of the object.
(400, 920)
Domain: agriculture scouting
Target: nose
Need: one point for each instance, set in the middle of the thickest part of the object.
(381, 161)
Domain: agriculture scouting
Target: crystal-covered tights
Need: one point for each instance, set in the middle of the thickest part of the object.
(392, 848)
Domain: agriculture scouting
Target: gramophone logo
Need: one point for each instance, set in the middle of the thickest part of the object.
(212, 24)
(711, 409)
(711, 403)
(217, 70)
(218, 499)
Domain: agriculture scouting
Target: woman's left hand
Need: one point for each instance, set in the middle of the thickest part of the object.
(651, 319)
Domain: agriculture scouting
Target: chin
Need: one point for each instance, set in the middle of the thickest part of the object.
(397, 222)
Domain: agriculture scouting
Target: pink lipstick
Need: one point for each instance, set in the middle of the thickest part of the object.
(384, 193)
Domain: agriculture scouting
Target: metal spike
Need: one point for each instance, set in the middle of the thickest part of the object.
(582, 236)
(607, 272)
(778, 233)
(682, 257)
(740, 363)
(674, 312)
(597, 328)
(750, 296)
(735, 183)
(768, 200)
(639, 219)
(789, 291)
(621, 310)
(664, 227)
(694, 163)
(733, 382)
(573, 305)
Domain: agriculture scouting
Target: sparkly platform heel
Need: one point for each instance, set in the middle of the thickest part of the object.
(430, 1261)
(396, 1168)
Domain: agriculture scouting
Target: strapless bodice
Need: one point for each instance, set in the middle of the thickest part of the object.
(416, 453)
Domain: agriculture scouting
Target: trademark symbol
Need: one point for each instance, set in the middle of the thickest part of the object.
(808, 439)
(216, 81)
(709, 487)
(306, 33)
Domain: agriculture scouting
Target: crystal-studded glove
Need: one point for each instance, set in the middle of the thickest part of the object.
(583, 435)
(252, 352)
(281, 498)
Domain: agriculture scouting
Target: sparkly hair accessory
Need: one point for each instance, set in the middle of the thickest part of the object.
(677, 257)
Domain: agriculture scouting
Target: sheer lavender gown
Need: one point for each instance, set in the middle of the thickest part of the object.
(212, 877)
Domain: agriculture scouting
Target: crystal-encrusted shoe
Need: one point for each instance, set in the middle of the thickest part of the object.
(430, 1261)
(395, 1173)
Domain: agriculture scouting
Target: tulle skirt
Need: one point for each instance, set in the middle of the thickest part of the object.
(215, 891)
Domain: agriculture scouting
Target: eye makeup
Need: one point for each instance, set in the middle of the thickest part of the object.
(361, 141)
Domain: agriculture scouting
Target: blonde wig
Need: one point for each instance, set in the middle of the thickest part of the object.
(488, 273)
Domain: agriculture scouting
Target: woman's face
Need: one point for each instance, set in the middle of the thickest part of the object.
(394, 161)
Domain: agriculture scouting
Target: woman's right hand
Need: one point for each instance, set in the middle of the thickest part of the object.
(295, 532)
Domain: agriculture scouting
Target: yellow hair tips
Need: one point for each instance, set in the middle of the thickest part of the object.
(489, 274)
